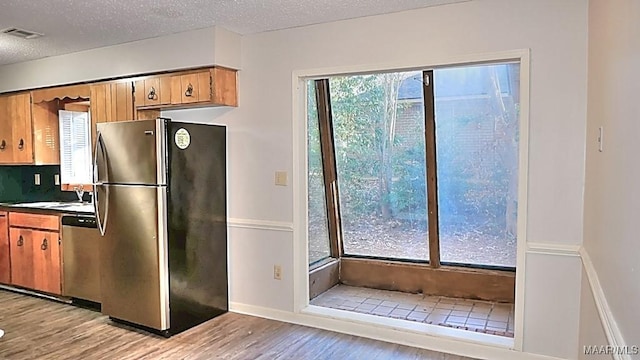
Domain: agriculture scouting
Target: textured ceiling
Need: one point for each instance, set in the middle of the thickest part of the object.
(75, 25)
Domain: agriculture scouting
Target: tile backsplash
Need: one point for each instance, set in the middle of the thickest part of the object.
(17, 184)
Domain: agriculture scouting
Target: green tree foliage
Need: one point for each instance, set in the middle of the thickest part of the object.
(378, 174)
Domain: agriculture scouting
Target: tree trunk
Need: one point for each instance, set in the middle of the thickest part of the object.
(391, 85)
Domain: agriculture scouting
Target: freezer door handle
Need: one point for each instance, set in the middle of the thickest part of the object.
(96, 184)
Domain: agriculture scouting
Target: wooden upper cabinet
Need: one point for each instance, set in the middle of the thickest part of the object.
(153, 91)
(45, 125)
(121, 101)
(46, 136)
(224, 86)
(6, 138)
(191, 88)
(16, 145)
(203, 87)
(111, 101)
(100, 107)
(22, 131)
(100, 103)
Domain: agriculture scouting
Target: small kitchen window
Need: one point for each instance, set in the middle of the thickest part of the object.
(75, 149)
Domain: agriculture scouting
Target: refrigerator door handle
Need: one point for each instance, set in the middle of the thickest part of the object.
(100, 145)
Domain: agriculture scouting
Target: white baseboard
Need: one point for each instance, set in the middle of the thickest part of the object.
(611, 329)
(390, 333)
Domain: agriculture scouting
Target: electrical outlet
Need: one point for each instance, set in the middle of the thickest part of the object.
(56, 179)
(281, 178)
(277, 272)
(36, 179)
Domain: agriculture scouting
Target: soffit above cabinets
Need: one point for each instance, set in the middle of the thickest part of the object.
(75, 25)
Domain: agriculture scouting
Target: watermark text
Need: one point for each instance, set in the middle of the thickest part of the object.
(611, 350)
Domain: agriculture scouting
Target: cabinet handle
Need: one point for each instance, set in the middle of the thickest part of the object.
(21, 144)
(189, 91)
(20, 241)
(152, 94)
(3, 145)
(44, 244)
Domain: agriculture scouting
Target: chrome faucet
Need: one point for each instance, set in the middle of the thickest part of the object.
(79, 191)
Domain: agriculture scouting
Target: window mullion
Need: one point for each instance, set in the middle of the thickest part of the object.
(430, 151)
(325, 121)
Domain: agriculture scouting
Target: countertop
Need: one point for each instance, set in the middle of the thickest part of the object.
(74, 207)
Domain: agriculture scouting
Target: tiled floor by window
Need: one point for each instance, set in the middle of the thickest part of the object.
(472, 315)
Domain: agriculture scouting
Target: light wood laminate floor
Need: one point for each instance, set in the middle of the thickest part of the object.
(42, 329)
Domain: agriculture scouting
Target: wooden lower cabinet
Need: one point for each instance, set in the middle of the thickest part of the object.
(5, 259)
(35, 252)
(46, 262)
(22, 273)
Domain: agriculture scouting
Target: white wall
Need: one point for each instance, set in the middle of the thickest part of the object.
(552, 305)
(557, 122)
(189, 49)
(260, 132)
(261, 138)
(612, 195)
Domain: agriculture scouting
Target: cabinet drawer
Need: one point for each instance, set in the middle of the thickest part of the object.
(34, 221)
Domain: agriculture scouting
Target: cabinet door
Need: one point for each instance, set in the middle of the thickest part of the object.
(191, 88)
(6, 140)
(110, 102)
(153, 91)
(121, 101)
(5, 259)
(21, 253)
(46, 134)
(21, 131)
(99, 102)
(46, 261)
(100, 105)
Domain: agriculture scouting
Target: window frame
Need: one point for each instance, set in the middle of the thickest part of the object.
(300, 75)
(325, 127)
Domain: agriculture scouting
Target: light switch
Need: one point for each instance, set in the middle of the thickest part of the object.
(600, 138)
(281, 178)
(56, 179)
(36, 179)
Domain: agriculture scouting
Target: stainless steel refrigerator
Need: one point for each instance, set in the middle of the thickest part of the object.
(160, 201)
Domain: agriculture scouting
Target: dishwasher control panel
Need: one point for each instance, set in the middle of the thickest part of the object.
(79, 220)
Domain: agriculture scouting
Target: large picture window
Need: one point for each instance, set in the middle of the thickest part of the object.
(417, 166)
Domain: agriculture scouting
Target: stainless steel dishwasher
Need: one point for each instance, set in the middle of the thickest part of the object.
(81, 257)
